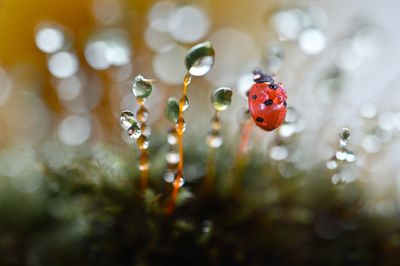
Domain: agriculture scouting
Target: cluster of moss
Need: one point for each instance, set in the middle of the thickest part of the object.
(93, 212)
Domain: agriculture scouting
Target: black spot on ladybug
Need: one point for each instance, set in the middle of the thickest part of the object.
(259, 119)
(268, 102)
(273, 86)
(285, 103)
(254, 97)
(247, 93)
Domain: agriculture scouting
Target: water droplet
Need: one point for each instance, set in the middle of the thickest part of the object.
(171, 111)
(143, 114)
(180, 126)
(146, 130)
(215, 123)
(49, 39)
(172, 137)
(185, 104)
(142, 87)
(63, 64)
(332, 163)
(143, 164)
(350, 156)
(344, 135)
(206, 226)
(341, 154)
(200, 58)
(221, 98)
(172, 157)
(127, 119)
(179, 181)
(169, 176)
(279, 153)
(214, 139)
(134, 131)
(142, 142)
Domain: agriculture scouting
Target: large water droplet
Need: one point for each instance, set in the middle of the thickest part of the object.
(127, 119)
(143, 143)
(142, 87)
(221, 98)
(200, 58)
(171, 111)
(214, 139)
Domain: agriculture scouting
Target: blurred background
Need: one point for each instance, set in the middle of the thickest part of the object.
(67, 68)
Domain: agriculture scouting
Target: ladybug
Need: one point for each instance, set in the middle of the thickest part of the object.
(267, 102)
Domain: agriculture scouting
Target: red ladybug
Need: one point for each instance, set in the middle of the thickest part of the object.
(267, 102)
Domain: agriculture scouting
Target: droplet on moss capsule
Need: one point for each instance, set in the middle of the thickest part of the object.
(127, 119)
(142, 114)
(221, 98)
(171, 111)
(134, 131)
(143, 142)
(200, 58)
(214, 139)
(142, 87)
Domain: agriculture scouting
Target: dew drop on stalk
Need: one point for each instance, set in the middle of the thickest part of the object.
(179, 181)
(169, 176)
(127, 119)
(214, 139)
(143, 142)
(172, 157)
(344, 135)
(180, 126)
(185, 104)
(146, 130)
(172, 137)
(134, 131)
(143, 164)
(171, 111)
(143, 114)
(332, 163)
(215, 123)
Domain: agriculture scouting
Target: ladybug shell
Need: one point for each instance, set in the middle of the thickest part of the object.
(267, 105)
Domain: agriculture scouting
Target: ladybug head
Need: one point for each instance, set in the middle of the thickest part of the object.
(262, 77)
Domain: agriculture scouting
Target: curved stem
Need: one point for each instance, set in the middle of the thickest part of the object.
(180, 128)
